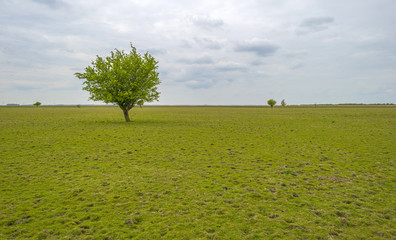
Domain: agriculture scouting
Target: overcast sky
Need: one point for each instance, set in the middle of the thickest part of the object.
(209, 52)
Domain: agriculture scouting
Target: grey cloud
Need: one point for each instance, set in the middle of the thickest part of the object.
(378, 45)
(206, 22)
(297, 66)
(211, 75)
(260, 47)
(199, 78)
(256, 63)
(185, 44)
(156, 51)
(230, 68)
(208, 43)
(199, 60)
(51, 3)
(314, 24)
(200, 83)
(25, 87)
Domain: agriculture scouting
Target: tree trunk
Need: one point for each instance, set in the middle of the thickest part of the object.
(126, 115)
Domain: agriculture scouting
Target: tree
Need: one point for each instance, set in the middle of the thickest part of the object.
(283, 103)
(271, 102)
(125, 79)
(37, 104)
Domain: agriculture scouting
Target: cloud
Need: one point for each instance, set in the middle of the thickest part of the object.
(202, 83)
(205, 45)
(206, 22)
(25, 87)
(156, 51)
(199, 60)
(315, 24)
(202, 77)
(261, 47)
(209, 43)
(256, 63)
(54, 4)
(230, 67)
(297, 66)
(207, 76)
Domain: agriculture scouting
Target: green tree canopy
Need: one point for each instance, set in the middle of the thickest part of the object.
(271, 102)
(37, 104)
(125, 79)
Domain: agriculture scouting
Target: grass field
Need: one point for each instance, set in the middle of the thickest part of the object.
(198, 173)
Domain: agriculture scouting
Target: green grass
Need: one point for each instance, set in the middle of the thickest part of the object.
(198, 173)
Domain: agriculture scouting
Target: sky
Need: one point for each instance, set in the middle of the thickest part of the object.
(210, 52)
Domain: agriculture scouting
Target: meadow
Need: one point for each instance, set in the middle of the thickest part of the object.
(198, 173)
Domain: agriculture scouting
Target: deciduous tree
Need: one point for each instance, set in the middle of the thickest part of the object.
(271, 102)
(125, 79)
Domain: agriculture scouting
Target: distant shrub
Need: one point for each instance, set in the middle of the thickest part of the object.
(271, 102)
(37, 104)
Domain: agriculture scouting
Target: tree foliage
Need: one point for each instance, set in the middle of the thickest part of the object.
(283, 102)
(37, 104)
(271, 102)
(125, 79)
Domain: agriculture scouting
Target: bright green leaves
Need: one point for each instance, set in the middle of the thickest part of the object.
(126, 79)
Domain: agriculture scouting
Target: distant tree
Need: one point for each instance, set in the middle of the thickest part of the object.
(124, 79)
(283, 103)
(37, 104)
(271, 102)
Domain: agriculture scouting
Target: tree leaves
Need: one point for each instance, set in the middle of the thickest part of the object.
(126, 79)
